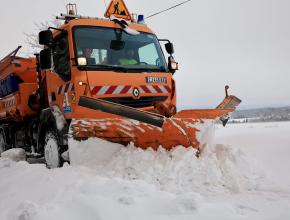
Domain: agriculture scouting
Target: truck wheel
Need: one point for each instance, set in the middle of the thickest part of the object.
(52, 150)
(2, 143)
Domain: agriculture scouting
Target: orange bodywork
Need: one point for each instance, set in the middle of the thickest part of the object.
(71, 90)
(15, 105)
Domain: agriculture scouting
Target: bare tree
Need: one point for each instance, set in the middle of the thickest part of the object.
(32, 38)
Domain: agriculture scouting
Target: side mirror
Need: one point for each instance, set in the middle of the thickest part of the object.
(172, 64)
(45, 59)
(117, 45)
(45, 37)
(169, 48)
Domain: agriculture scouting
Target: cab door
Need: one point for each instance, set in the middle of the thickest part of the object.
(59, 85)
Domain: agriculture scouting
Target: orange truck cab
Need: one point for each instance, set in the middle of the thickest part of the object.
(98, 59)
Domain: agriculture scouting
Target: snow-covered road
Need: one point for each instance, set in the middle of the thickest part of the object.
(245, 175)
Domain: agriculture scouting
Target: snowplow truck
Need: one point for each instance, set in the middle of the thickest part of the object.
(97, 78)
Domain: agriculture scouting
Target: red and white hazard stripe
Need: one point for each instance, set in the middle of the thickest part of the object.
(154, 89)
(104, 90)
(69, 87)
(149, 89)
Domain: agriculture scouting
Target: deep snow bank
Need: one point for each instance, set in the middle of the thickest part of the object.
(134, 184)
(32, 192)
(220, 168)
(224, 183)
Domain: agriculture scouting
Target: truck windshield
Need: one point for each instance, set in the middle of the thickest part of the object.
(114, 49)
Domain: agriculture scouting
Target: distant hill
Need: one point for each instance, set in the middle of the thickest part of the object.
(261, 115)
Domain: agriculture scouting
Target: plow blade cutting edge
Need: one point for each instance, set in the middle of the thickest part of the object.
(188, 128)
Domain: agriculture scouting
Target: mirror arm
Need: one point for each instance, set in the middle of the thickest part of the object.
(166, 40)
(57, 29)
(168, 46)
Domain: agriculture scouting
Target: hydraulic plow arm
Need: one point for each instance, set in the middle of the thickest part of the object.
(122, 110)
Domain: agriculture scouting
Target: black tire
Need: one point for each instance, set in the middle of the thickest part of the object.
(52, 150)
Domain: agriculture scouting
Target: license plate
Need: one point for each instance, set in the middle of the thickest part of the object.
(152, 79)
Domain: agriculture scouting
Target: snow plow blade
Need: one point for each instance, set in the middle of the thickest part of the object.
(188, 128)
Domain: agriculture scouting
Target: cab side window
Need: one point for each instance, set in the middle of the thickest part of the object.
(61, 59)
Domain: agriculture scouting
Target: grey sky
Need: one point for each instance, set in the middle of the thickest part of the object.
(243, 43)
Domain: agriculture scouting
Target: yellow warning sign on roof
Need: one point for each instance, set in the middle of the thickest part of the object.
(118, 9)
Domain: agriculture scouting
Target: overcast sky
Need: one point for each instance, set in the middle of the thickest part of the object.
(242, 43)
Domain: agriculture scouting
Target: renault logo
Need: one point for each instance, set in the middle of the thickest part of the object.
(136, 93)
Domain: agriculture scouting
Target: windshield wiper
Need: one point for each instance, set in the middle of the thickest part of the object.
(121, 68)
(106, 67)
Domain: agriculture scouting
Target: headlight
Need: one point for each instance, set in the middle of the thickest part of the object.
(174, 66)
(82, 61)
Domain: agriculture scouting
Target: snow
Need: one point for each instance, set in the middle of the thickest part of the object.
(92, 152)
(126, 28)
(268, 143)
(131, 31)
(244, 175)
(59, 117)
(16, 154)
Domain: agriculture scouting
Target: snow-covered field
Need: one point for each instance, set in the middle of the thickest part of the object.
(244, 175)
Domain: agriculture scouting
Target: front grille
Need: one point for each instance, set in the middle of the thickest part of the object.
(137, 103)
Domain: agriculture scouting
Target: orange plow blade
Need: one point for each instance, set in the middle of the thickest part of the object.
(187, 128)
